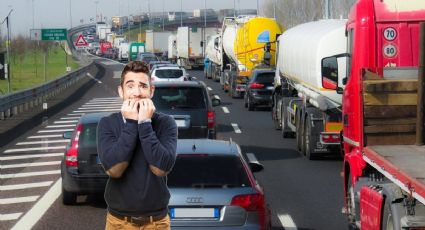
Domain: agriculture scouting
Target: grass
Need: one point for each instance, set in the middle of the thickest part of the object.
(30, 72)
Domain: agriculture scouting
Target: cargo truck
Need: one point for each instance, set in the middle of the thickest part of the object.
(241, 45)
(301, 107)
(214, 56)
(157, 42)
(190, 46)
(135, 49)
(172, 48)
(382, 114)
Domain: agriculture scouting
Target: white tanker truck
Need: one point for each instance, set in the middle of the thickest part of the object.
(301, 106)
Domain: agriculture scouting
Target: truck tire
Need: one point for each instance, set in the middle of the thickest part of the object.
(309, 140)
(68, 198)
(298, 129)
(286, 131)
(392, 211)
(312, 129)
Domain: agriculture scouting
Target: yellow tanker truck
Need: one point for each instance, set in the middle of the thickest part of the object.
(242, 46)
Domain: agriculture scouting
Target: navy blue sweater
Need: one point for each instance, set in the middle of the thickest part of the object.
(138, 192)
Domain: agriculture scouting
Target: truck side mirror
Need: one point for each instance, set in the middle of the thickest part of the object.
(330, 73)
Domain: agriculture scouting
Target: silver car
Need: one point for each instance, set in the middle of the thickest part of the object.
(212, 187)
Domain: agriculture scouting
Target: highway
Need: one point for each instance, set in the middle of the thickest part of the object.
(302, 194)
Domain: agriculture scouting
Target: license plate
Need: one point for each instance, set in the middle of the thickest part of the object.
(181, 123)
(194, 213)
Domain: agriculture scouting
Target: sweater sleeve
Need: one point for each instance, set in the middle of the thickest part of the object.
(160, 151)
(115, 147)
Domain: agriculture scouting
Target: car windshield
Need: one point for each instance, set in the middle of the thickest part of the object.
(88, 136)
(179, 97)
(208, 171)
(169, 73)
(265, 78)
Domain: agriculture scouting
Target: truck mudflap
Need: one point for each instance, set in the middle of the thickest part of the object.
(371, 202)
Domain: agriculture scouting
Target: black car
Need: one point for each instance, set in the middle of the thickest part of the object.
(81, 170)
(147, 57)
(190, 105)
(259, 89)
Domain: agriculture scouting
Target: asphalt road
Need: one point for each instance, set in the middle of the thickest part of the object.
(302, 194)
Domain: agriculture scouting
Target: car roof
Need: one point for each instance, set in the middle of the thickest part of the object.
(207, 146)
(93, 117)
(178, 84)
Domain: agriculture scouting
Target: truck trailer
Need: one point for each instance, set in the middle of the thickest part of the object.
(241, 45)
(301, 107)
(382, 113)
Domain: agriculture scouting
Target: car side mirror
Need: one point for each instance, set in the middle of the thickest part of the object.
(215, 100)
(256, 166)
(67, 135)
(192, 78)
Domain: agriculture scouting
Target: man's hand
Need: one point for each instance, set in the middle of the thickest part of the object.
(146, 109)
(129, 109)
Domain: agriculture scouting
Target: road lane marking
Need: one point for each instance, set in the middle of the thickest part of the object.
(11, 216)
(29, 174)
(55, 131)
(35, 164)
(17, 200)
(73, 115)
(225, 109)
(65, 122)
(44, 136)
(25, 186)
(209, 88)
(42, 142)
(38, 210)
(91, 76)
(287, 222)
(103, 107)
(105, 98)
(70, 118)
(34, 149)
(59, 126)
(236, 128)
(98, 110)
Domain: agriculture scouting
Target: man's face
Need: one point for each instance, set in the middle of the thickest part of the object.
(135, 87)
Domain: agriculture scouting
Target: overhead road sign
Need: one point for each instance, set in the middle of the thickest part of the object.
(54, 34)
(81, 42)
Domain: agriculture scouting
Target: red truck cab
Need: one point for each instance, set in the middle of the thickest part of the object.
(104, 45)
(382, 58)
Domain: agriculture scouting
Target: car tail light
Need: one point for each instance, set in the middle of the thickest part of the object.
(252, 202)
(256, 85)
(330, 138)
(71, 156)
(211, 118)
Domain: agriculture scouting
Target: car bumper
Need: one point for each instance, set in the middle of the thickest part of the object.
(80, 184)
(261, 99)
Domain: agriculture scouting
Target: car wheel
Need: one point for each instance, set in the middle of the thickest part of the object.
(68, 198)
(250, 105)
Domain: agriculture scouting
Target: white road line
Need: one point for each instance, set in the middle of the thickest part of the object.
(34, 149)
(287, 222)
(74, 115)
(225, 109)
(55, 131)
(17, 200)
(236, 128)
(29, 174)
(251, 158)
(25, 186)
(59, 126)
(104, 98)
(95, 105)
(38, 210)
(65, 122)
(98, 110)
(70, 118)
(24, 165)
(103, 107)
(42, 142)
(90, 76)
(12, 216)
(209, 88)
(27, 156)
(44, 136)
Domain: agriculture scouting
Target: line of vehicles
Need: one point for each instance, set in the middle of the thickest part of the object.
(348, 86)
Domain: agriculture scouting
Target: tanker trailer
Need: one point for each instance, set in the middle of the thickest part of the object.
(214, 57)
(302, 106)
(243, 40)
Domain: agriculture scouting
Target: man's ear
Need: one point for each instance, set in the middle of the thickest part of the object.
(152, 91)
(120, 92)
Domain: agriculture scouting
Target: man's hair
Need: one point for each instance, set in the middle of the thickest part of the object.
(135, 67)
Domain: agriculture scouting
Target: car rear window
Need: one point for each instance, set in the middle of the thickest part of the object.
(88, 136)
(179, 97)
(265, 78)
(169, 73)
(207, 171)
(148, 59)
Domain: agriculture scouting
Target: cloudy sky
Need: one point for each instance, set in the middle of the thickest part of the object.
(58, 13)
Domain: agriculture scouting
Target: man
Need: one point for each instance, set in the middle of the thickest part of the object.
(137, 148)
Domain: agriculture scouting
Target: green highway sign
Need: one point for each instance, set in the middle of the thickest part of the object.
(53, 34)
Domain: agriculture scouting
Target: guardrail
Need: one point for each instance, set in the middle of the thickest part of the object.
(18, 102)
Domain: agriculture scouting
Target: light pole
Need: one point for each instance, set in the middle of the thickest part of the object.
(257, 8)
(181, 13)
(205, 27)
(7, 66)
(163, 15)
(70, 14)
(95, 18)
(234, 8)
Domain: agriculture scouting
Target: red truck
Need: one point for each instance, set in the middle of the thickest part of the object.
(382, 114)
(104, 45)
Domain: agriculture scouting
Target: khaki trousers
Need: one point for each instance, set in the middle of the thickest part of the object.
(113, 223)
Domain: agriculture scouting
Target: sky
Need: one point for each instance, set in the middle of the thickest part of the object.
(60, 13)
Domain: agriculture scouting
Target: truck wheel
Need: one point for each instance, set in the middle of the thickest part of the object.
(68, 198)
(298, 129)
(310, 140)
(286, 131)
(392, 215)
(303, 134)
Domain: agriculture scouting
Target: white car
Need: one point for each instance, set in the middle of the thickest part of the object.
(169, 73)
